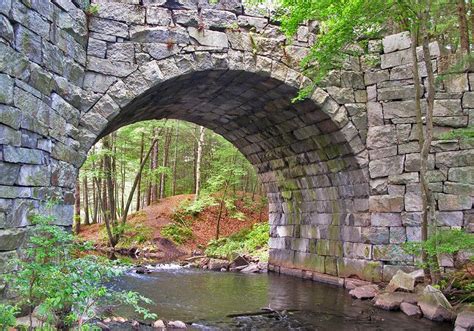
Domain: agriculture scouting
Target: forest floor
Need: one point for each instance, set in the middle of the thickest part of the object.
(143, 230)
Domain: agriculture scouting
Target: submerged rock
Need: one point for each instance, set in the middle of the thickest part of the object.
(159, 324)
(410, 309)
(217, 264)
(177, 325)
(435, 306)
(251, 268)
(365, 292)
(392, 301)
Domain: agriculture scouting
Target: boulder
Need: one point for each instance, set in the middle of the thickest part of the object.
(352, 283)
(177, 325)
(392, 301)
(217, 264)
(402, 281)
(251, 268)
(159, 324)
(410, 309)
(239, 261)
(464, 321)
(365, 292)
(435, 306)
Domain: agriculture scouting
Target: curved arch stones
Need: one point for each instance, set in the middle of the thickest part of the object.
(340, 168)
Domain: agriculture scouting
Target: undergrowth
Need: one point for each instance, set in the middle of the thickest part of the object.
(253, 241)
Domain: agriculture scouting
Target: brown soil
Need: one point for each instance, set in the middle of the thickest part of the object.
(203, 225)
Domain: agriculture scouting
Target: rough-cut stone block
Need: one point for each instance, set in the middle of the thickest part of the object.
(396, 59)
(158, 16)
(22, 155)
(363, 269)
(385, 167)
(6, 89)
(396, 42)
(33, 175)
(454, 202)
(385, 219)
(122, 12)
(455, 159)
(391, 252)
(397, 235)
(386, 203)
(209, 38)
(11, 239)
(381, 136)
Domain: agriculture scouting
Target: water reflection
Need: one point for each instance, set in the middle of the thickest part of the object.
(206, 298)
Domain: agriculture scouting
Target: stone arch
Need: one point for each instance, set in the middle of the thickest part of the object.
(309, 154)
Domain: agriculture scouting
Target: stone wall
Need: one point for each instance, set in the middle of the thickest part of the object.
(340, 168)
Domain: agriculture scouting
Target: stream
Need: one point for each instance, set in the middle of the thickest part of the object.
(205, 299)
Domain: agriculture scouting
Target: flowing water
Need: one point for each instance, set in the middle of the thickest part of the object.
(206, 299)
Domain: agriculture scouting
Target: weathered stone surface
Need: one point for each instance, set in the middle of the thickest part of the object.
(402, 281)
(434, 305)
(396, 42)
(22, 155)
(108, 67)
(11, 239)
(217, 265)
(464, 321)
(364, 292)
(33, 175)
(388, 166)
(209, 38)
(392, 301)
(6, 89)
(410, 309)
(454, 202)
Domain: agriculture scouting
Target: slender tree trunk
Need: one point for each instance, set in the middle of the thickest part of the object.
(221, 208)
(85, 202)
(95, 205)
(165, 162)
(426, 192)
(175, 159)
(198, 162)
(140, 178)
(154, 166)
(463, 27)
(77, 207)
(108, 164)
(471, 18)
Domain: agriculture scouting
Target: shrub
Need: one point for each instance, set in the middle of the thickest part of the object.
(7, 316)
(65, 290)
(252, 241)
(177, 233)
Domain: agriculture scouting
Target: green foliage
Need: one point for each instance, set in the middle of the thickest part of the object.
(442, 242)
(64, 289)
(194, 207)
(249, 241)
(462, 133)
(177, 233)
(7, 316)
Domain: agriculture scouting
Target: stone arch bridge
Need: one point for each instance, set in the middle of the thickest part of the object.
(340, 168)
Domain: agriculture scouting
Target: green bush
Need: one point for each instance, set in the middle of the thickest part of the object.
(7, 316)
(252, 241)
(442, 242)
(177, 233)
(65, 290)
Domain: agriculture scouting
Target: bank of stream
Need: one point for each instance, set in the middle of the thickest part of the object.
(209, 300)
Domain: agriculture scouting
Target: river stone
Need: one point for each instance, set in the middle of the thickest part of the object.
(251, 268)
(217, 264)
(159, 324)
(464, 321)
(392, 301)
(402, 281)
(177, 325)
(352, 283)
(434, 305)
(365, 292)
(410, 309)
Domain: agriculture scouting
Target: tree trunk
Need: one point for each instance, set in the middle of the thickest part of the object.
(198, 162)
(221, 208)
(77, 207)
(140, 178)
(428, 200)
(109, 179)
(175, 160)
(165, 162)
(85, 202)
(463, 27)
(154, 166)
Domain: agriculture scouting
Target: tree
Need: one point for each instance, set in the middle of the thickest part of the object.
(200, 143)
(77, 207)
